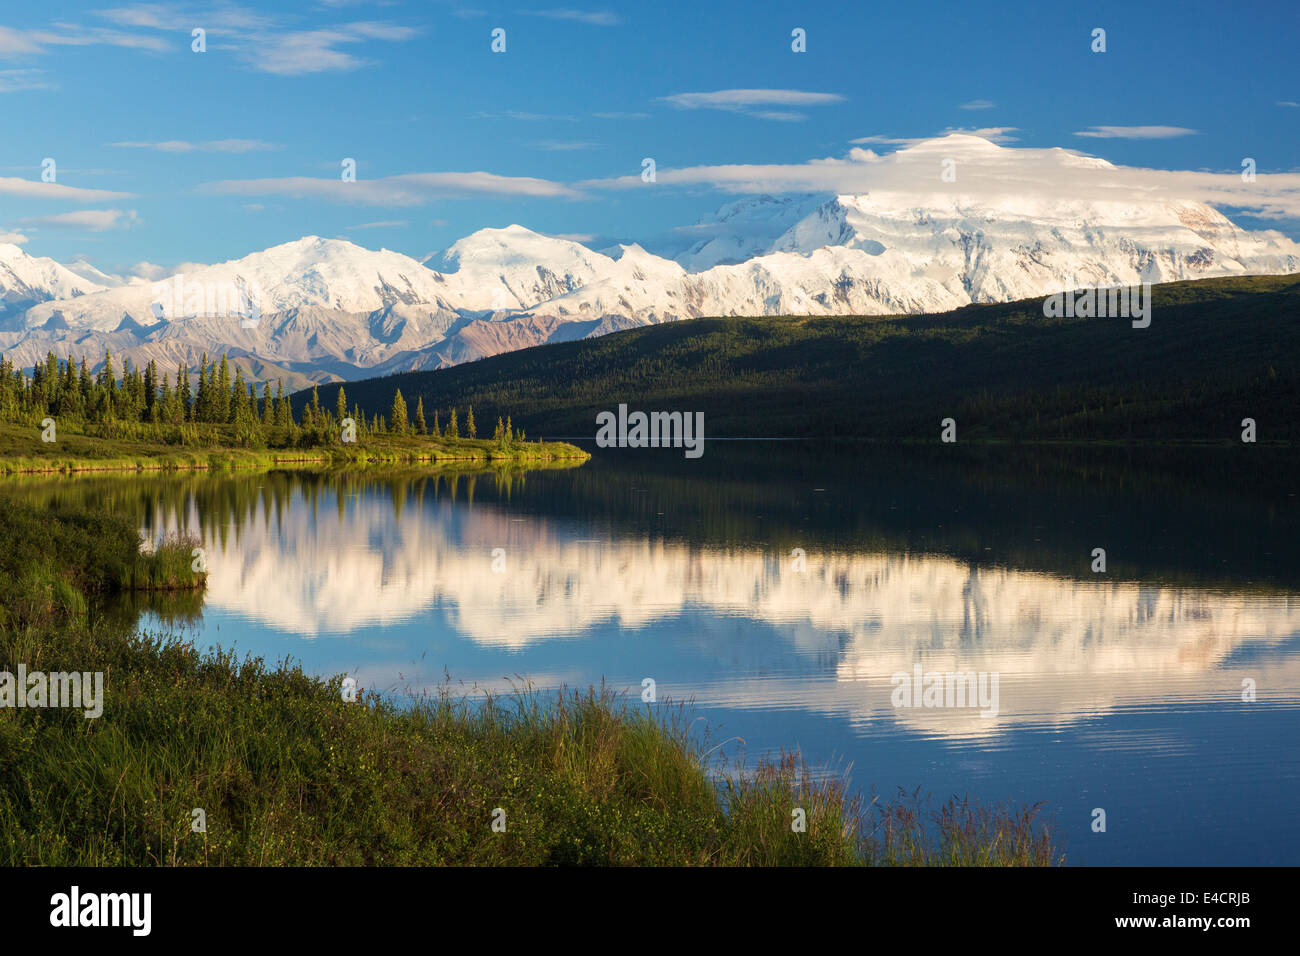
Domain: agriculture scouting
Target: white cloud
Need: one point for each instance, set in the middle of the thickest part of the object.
(316, 51)
(781, 116)
(258, 40)
(14, 238)
(409, 189)
(748, 100)
(149, 272)
(885, 140)
(598, 18)
(11, 81)
(213, 146)
(977, 105)
(986, 172)
(527, 117)
(32, 42)
(35, 189)
(555, 145)
(994, 134)
(1135, 132)
(93, 220)
(1292, 103)
(149, 15)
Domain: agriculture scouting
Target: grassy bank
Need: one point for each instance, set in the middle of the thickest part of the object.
(288, 772)
(23, 452)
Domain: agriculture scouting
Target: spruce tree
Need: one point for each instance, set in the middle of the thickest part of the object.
(397, 422)
(238, 397)
(186, 392)
(202, 398)
(420, 426)
(223, 393)
(151, 388)
(283, 414)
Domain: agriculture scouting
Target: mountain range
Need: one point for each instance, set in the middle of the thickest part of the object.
(321, 310)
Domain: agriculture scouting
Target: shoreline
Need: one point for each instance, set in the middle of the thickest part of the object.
(21, 453)
(304, 770)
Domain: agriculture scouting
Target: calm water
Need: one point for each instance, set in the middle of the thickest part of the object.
(1120, 690)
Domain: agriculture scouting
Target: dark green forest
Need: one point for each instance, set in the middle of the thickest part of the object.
(1217, 351)
(205, 405)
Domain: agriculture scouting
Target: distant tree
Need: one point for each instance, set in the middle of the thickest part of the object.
(341, 405)
(238, 397)
(420, 426)
(223, 393)
(151, 389)
(162, 406)
(397, 423)
(283, 413)
(107, 379)
(437, 429)
(202, 396)
(312, 415)
(453, 430)
(470, 430)
(183, 390)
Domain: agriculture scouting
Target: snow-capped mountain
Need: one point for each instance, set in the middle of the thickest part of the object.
(514, 268)
(743, 229)
(320, 308)
(311, 273)
(26, 280)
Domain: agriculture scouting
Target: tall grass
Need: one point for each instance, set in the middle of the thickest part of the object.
(22, 452)
(288, 772)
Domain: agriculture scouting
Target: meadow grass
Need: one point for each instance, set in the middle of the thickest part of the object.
(288, 772)
(76, 450)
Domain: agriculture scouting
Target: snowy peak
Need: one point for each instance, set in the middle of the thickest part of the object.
(913, 243)
(515, 268)
(308, 273)
(743, 229)
(502, 249)
(27, 280)
(952, 144)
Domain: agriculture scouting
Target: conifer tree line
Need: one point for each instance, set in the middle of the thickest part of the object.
(66, 391)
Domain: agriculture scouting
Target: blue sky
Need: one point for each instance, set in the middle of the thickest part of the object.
(200, 157)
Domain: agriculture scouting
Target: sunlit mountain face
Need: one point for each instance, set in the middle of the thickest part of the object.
(789, 608)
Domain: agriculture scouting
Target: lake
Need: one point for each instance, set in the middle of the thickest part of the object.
(792, 593)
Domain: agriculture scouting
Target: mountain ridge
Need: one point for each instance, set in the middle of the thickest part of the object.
(328, 308)
(1217, 351)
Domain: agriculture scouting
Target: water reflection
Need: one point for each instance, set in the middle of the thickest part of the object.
(1066, 649)
(1123, 690)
